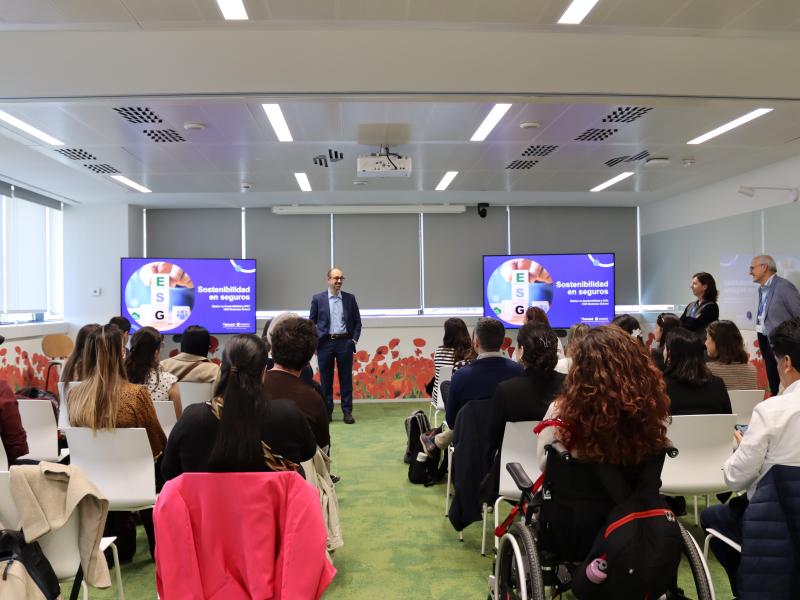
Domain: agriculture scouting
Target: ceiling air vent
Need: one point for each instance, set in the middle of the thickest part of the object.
(644, 154)
(616, 160)
(641, 156)
(596, 135)
(76, 154)
(626, 114)
(333, 156)
(164, 135)
(522, 164)
(539, 150)
(101, 169)
(138, 114)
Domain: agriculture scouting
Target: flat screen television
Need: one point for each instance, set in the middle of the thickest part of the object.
(570, 288)
(171, 294)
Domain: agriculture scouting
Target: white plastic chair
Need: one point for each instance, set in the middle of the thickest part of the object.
(445, 374)
(119, 462)
(519, 446)
(63, 391)
(704, 443)
(41, 431)
(61, 547)
(3, 458)
(194, 393)
(743, 402)
(165, 411)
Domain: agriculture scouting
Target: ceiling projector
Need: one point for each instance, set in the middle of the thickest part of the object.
(383, 165)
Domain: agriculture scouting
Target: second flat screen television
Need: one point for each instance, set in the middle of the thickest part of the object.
(570, 288)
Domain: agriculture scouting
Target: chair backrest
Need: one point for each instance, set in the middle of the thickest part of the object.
(519, 445)
(63, 391)
(445, 374)
(3, 458)
(194, 393)
(119, 462)
(704, 443)
(165, 411)
(39, 424)
(57, 345)
(743, 402)
(60, 547)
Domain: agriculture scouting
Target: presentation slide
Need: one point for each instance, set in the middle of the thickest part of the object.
(570, 288)
(172, 294)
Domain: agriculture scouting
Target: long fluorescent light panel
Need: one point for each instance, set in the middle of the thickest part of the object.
(275, 116)
(732, 125)
(302, 181)
(233, 10)
(576, 12)
(131, 184)
(29, 129)
(489, 123)
(446, 180)
(612, 181)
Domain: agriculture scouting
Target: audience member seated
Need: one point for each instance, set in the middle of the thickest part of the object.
(770, 440)
(615, 410)
(74, 367)
(456, 347)
(537, 315)
(192, 363)
(476, 380)
(629, 325)
(526, 398)
(143, 367)
(729, 359)
(665, 323)
(306, 373)
(124, 326)
(12, 435)
(704, 310)
(691, 387)
(294, 341)
(250, 433)
(574, 335)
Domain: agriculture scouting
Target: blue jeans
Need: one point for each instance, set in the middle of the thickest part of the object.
(340, 352)
(727, 519)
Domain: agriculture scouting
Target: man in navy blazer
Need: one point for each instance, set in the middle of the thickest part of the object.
(778, 301)
(338, 326)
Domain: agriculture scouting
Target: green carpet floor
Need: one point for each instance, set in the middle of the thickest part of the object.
(398, 544)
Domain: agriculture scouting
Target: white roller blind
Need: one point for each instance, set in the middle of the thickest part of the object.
(25, 264)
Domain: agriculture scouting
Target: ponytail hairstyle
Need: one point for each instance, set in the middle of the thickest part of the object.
(73, 368)
(95, 402)
(540, 348)
(238, 444)
(142, 357)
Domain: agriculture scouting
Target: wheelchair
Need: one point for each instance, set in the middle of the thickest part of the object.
(525, 570)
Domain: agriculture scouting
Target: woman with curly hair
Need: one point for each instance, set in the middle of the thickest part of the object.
(615, 411)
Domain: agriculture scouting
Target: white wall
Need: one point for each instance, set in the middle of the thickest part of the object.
(720, 200)
(95, 238)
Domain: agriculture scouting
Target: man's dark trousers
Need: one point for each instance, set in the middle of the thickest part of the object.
(340, 351)
(770, 363)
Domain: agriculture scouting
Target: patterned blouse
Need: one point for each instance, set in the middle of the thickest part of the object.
(158, 382)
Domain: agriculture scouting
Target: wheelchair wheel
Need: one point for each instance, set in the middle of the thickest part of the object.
(697, 565)
(518, 569)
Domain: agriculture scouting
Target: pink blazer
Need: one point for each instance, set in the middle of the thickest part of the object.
(248, 536)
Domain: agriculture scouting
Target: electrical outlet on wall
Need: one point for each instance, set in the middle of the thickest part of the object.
(97, 291)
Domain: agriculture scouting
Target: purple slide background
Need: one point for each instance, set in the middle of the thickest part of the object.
(562, 267)
(203, 272)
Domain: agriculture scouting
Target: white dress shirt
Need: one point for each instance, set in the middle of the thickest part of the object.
(771, 439)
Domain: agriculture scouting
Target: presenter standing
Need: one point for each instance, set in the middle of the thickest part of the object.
(338, 322)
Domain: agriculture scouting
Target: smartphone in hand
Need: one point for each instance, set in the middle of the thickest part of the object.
(741, 428)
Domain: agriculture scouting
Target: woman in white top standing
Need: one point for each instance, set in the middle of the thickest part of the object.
(142, 364)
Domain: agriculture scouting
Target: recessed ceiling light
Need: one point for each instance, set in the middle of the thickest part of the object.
(530, 125)
(612, 181)
(233, 10)
(446, 180)
(194, 126)
(302, 181)
(359, 183)
(29, 129)
(732, 125)
(275, 116)
(576, 12)
(489, 123)
(131, 184)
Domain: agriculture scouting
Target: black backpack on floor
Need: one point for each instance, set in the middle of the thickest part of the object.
(416, 425)
(13, 548)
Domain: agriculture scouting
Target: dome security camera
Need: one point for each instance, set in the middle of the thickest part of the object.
(482, 206)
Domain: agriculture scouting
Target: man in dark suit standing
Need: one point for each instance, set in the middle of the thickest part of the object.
(338, 322)
(778, 301)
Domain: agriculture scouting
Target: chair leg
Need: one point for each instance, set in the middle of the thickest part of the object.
(705, 546)
(485, 511)
(118, 572)
(496, 522)
(696, 512)
(449, 480)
